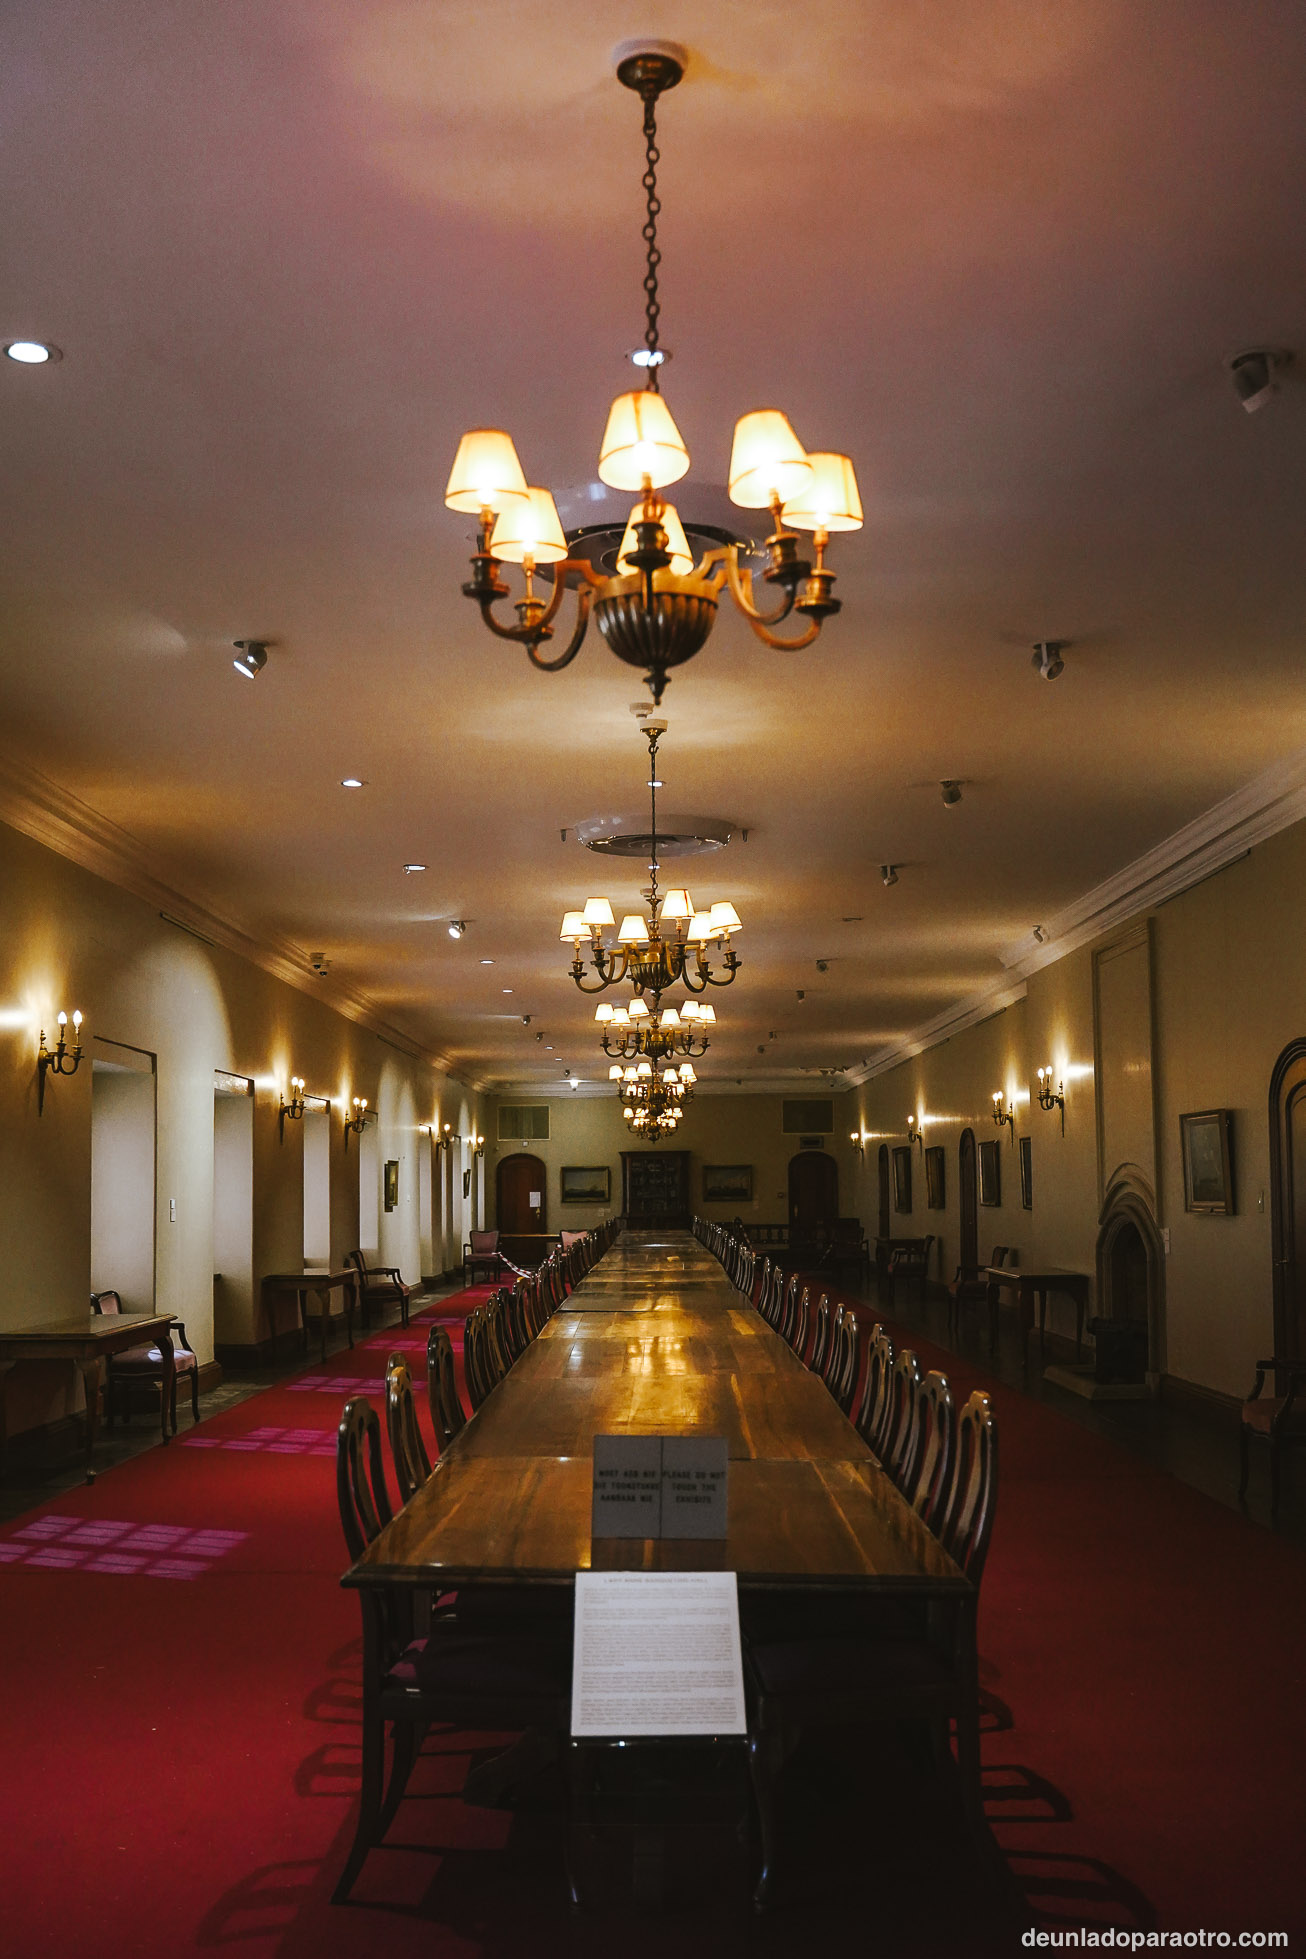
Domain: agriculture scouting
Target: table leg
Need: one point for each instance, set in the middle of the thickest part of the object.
(90, 1370)
(1080, 1303)
(349, 1297)
(301, 1294)
(6, 1369)
(992, 1292)
(1042, 1296)
(323, 1307)
(167, 1385)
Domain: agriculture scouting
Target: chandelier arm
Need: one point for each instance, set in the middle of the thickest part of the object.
(782, 645)
(598, 988)
(733, 963)
(584, 599)
(739, 594)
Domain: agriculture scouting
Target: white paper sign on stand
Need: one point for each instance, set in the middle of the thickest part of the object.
(657, 1653)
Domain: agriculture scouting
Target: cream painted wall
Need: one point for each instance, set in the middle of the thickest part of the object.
(69, 940)
(1228, 994)
(589, 1130)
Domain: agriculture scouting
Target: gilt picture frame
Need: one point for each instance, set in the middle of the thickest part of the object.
(990, 1175)
(936, 1160)
(902, 1180)
(1206, 1138)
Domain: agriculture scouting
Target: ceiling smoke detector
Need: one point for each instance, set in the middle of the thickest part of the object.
(629, 835)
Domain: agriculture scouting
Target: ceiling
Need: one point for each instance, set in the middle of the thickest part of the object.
(998, 253)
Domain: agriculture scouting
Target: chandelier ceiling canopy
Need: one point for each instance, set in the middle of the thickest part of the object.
(658, 606)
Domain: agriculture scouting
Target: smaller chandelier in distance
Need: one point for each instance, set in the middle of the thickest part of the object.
(669, 948)
(653, 1105)
(637, 1034)
(658, 606)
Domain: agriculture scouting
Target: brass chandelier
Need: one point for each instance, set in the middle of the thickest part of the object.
(657, 606)
(653, 1104)
(636, 1034)
(670, 948)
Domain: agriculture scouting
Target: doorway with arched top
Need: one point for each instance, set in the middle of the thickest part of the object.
(521, 1194)
(813, 1201)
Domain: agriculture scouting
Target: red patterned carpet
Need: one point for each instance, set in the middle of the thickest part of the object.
(180, 1696)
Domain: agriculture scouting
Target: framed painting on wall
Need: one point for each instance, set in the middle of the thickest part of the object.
(727, 1183)
(935, 1179)
(902, 1179)
(391, 1195)
(990, 1155)
(1207, 1139)
(586, 1185)
(1026, 1173)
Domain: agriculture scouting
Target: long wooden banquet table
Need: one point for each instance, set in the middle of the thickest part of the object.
(656, 1341)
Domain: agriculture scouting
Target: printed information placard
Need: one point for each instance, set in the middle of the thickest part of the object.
(657, 1653)
(660, 1486)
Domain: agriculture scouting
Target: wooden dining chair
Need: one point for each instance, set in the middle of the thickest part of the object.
(490, 1681)
(841, 1374)
(407, 1449)
(801, 1324)
(872, 1412)
(821, 1336)
(447, 1415)
(929, 1484)
(1277, 1418)
(144, 1363)
(970, 1288)
(849, 1679)
(899, 1432)
(379, 1285)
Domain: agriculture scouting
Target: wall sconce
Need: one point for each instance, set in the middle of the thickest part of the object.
(1002, 1113)
(61, 1059)
(915, 1133)
(859, 1141)
(444, 1137)
(476, 1145)
(294, 1108)
(358, 1122)
(1050, 1098)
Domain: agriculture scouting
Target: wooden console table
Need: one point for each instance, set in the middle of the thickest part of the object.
(87, 1342)
(276, 1284)
(1029, 1287)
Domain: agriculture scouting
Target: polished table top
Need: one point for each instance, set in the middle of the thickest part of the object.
(656, 1341)
(87, 1331)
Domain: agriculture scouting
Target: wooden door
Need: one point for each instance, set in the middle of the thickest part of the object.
(522, 1195)
(882, 1228)
(1288, 1199)
(969, 1201)
(813, 1195)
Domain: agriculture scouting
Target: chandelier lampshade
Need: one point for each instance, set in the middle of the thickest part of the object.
(829, 500)
(528, 531)
(768, 463)
(642, 448)
(486, 474)
(682, 558)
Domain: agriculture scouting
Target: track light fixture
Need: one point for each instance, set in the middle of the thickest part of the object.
(950, 790)
(888, 875)
(251, 658)
(457, 926)
(1046, 659)
(1254, 374)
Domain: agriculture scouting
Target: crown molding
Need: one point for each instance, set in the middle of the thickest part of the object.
(51, 815)
(1270, 802)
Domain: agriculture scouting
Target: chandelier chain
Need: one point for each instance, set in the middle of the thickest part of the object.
(650, 237)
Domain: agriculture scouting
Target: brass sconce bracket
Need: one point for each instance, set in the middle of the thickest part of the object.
(358, 1122)
(1050, 1098)
(294, 1108)
(1003, 1113)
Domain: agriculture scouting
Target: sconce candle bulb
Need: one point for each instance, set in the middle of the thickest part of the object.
(1052, 1098)
(1003, 1114)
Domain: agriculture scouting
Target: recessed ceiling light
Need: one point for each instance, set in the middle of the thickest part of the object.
(351, 782)
(487, 962)
(414, 867)
(507, 989)
(32, 353)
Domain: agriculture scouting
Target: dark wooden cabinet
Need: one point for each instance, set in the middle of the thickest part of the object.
(655, 1188)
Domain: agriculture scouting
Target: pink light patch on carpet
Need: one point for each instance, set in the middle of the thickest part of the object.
(336, 1384)
(270, 1441)
(118, 1546)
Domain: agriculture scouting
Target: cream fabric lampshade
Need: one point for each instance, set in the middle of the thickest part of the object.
(640, 441)
(633, 930)
(529, 527)
(829, 500)
(486, 474)
(682, 558)
(767, 460)
(574, 926)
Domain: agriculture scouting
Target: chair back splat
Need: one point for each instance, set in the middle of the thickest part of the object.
(968, 1519)
(447, 1415)
(928, 1486)
(407, 1449)
(360, 1476)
